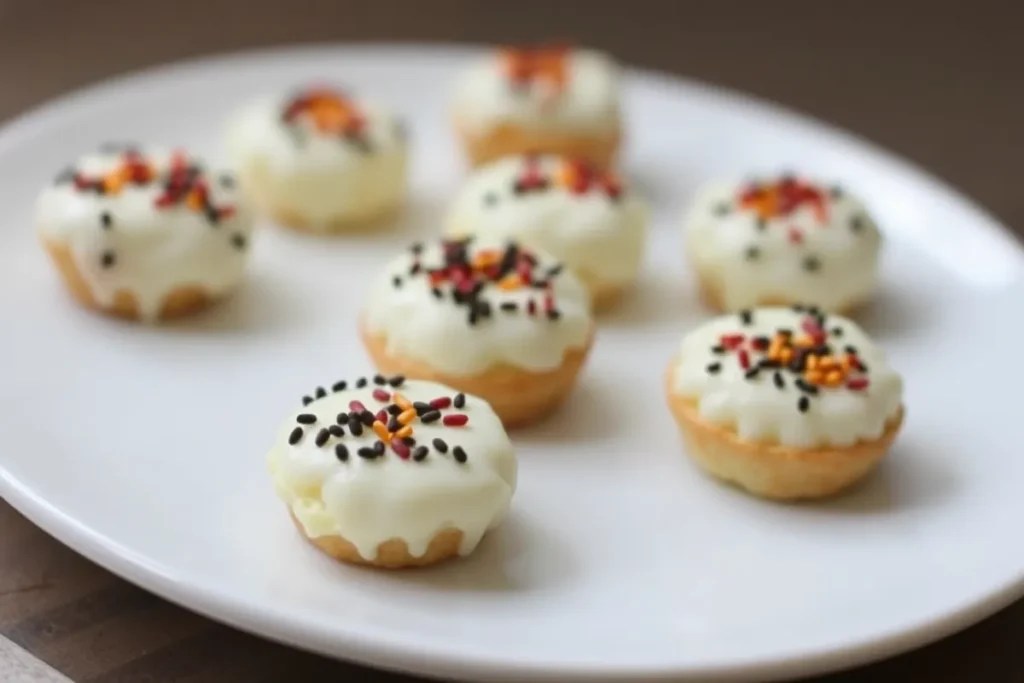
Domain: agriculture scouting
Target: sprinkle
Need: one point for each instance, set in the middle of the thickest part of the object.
(836, 191)
(752, 253)
(238, 241)
(306, 400)
(405, 433)
(407, 417)
(320, 392)
(367, 452)
(760, 343)
(509, 306)
(396, 381)
(322, 436)
(380, 429)
(803, 386)
(394, 425)
(744, 358)
(416, 247)
(856, 223)
(803, 404)
(361, 382)
(436, 292)
(460, 400)
(722, 209)
(795, 236)
(396, 281)
(746, 317)
(379, 447)
(440, 445)
(554, 314)
(714, 368)
(381, 416)
(490, 199)
(409, 441)
(400, 449)
(718, 350)
(379, 380)
(341, 452)
(108, 259)
(401, 401)
(440, 403)
(777, 378)
(460, 455)
(342, 418)
(381, 395)
(356, 406)
(306, 419)
(367, 418)
(339, 386)
(356, 428)
(394, 409)
(420, 453)
(812, 264)
(752, 373)
(837, 331)
(421, 407)
(106, 220)
(227, 181)
(295, 436)
(336, 430)
(732, 341)
(857, 384)
(432, 416)
(456, 420)
(760, 224)
(531, 307)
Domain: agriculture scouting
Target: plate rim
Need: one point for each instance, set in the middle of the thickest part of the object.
(407, 657)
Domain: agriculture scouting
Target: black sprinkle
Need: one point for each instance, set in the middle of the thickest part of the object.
(806, 388)
(798, 308)
(227, 181)
(295, 436)
(339, 386)
(440, 445)
(473, 317)
(306, 400)
(367, 418)
(65, 176)
(554, 314)
(394, 425)
(863, 367)
(836, 191)
(436, 292)
(432, 416)
(837, 331)
(812, 264)
(394, 409)
(306, 419)
(785, 331)
(108, 259)
(420, 453)
(341, 452)
(752, 253)
(459, 454)
(556, 270)
(361, 382)
(777, 378)
(416, 248)
(760, 224)
(396, 281)
(421, 407)
(460, 400)
(238, 241)
(336, 430)
(397, 381)
(722, 209)
(850, 349)
(355, 427)
(746, 317)
(714, 368)
(803, 404)
(322, 436)
(342, 418)
(752, 373)
(718, 350)
(768, 363)
(320, 392)
(490, 199)
(409, 441)
(509, 306)
(856, 224)
(379, 380)
(379, 447)
(415, 269)
(106, 220)
(367, 452)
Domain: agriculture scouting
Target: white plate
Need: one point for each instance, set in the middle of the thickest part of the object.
(143, 449)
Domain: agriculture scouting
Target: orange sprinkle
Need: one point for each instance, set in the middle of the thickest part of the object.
(401, 401)
(486, 258)
(381, 430)
(834, 378)
(510, 282)
(404, 432)
(407, 416)
(812, 362)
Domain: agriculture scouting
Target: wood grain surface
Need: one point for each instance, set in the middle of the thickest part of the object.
(938, 82)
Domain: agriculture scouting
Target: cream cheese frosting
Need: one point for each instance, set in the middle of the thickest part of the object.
(321, 154)
(147, 221)
(355, 462)
(586, 218)
(550, 89)
(464, 306)
(793, 376)
(783, 241)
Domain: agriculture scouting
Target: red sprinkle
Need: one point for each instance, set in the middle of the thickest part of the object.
(759, 344)
(441, 402)
(744, 359)
(795, 236)
(381, 395)
(382, 416)
(356, 406)
(531, 307)
(549, 303)
(731, 341)
(857, 383)
(400, 449)
(455, 420)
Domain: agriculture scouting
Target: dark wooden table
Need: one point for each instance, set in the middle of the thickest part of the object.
(936, 81)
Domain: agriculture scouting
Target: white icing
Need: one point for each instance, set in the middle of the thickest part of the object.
(322, 178)
(156, 250)
(369, 502)
(417, 324)
(589, 102)
(759, 411)
(599, 238)
(847, 258)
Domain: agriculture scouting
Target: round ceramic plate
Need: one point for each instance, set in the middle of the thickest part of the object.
(143, 448)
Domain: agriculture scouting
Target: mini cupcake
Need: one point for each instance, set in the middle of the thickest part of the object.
(787, 403)
(321, 161)
(145, 233)
(487, 317)
(393, 473)
(584, 217)
(781, 242)
(539, 99)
